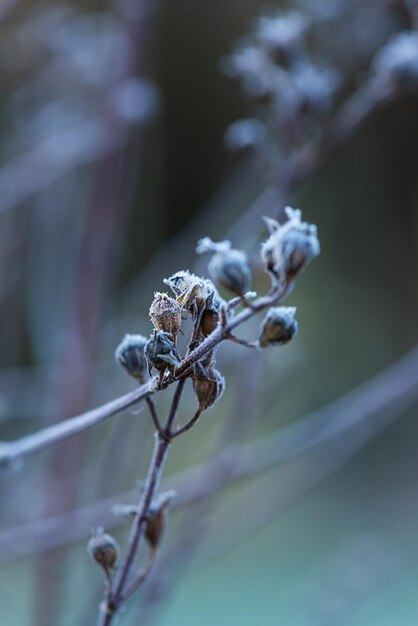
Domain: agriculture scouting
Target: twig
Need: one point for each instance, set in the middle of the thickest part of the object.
(392, 391)
(140, 577)
(16, 450)
(187, 425)
(119, 590)
(154, 414)
(138, 527)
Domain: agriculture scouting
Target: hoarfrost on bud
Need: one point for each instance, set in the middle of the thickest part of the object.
(193, 292)
(208, 386)
(228, 267)
(130, 354)
(104, 550)
(161, 352)
(278, 326)
(165, 314)
(399, 59)
(290, 247)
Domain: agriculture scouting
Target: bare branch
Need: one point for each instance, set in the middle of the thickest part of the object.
(15, 450)
(365, 411)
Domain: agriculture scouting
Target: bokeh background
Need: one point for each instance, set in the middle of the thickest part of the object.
(112, 164)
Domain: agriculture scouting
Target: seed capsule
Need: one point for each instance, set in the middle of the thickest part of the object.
(161, 352)
(104, 550)
(278, 327)
(157, 519)
(208, 386)
(228, 267)
(197, 295)
(130, 354)
(290, 247)
(165, 314)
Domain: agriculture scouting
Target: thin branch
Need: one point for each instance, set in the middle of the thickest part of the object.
(154, 414)
(137, 531)
(367, 410)
(16, 450)
(174, 407)
(140, 577)
(13, 451)
(187, 425)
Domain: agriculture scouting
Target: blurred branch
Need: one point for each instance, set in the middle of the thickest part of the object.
(15, 450)
(57, 156)
(344, 425)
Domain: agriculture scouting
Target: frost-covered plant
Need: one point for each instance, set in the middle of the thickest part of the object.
(287, 250)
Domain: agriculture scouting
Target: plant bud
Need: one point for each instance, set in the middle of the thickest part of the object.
(186, 287)
(208, 386)
(193, 293)
(398, 60)
(161, 352)
(130, 354)
(157, 519)
(290, 247)
(228, 267)
(104, 550)
(165, 314)
(278, 327)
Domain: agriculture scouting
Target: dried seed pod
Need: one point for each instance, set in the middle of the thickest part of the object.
(228, 267)
(165, 314)
(290, 247)
(208, 386)
(194, 294)
(278, 327)
(130, 354)
(161, 352)
(157, 519)
(208, 322)
(104, 550)
(186, 287)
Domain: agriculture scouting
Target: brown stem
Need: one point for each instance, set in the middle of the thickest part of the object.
(188, 424)
(137, 531)
(174, 407)
(140, 576)
(154, 414)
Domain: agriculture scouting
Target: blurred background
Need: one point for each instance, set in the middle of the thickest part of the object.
(121, 144)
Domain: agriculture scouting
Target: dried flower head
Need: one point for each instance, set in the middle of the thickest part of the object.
(104, 550)
(193, 293)
(282, 35)
(290, 247)
(228, 267)
(208, 386)
(165, 314)
(161, 352)
(398, 60)
(130, 354)
(278, 326)
(157, 519)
